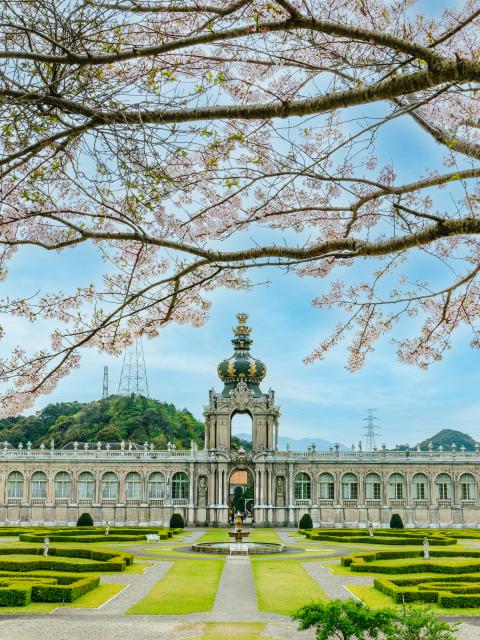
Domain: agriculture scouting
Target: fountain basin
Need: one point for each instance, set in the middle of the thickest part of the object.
(238, 548)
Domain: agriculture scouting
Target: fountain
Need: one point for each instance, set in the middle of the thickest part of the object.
(238, 547)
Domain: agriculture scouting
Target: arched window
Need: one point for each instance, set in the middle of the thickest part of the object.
(63, 485)
(109, 486)
(38, 485)
(156, 486)
(180, 485)
(15, 485)
(396, 487)
(350, 487)
(86, 486)
(373, 487)
(444, 486)
(302, 486)
(468, 487)
(133, 486)
(420, 487)
(326, 487)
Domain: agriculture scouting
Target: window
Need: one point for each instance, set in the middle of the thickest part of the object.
(180, 486)
(156, 486)
(373, 487)
(350, 487)
(420, 487)
(109, 486)
(302, 486)
(468, 487)
(63, 485)
(133, 486)
(38, 485)
(15, 485)
(86, 486)
(444, 487)
(396, 484)
(326, 487)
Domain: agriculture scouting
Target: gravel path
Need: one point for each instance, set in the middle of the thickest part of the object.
(236, 594)
(334, 586)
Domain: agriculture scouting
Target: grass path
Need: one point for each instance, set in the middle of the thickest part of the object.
(283, 587)
(188, 587)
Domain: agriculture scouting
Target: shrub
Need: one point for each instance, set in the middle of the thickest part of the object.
(396, 521)
(343, 619)
(420, 624)
(85, 520)
(305, 522)
(176, 521)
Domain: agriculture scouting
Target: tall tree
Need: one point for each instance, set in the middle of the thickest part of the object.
(194, 143)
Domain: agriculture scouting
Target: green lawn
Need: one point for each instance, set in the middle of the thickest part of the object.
(188, 587)
(214, 535)
(264, 535)
(283, 586)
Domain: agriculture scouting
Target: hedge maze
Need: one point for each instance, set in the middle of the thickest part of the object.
(26, 575)
(19, 591)
(456, 585)
(439, 537)
(89, 534)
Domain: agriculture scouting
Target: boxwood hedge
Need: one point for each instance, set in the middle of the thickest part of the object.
(18, 591)
(62, 560)
(461, 591)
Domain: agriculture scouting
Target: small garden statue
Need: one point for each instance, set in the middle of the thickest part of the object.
(46, 545)
(426, 549)
(107, 529)
(370, 529)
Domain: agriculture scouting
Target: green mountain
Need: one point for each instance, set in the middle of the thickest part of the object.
(130, 418)
(445, 438)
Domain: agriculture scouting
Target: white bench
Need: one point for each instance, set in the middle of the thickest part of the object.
(153, 537)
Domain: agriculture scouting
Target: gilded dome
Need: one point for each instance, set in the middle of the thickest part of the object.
(241, 366)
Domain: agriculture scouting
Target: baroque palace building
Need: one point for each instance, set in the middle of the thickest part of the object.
(128, 484)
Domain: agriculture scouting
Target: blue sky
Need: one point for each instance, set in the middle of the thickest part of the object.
(321, 400)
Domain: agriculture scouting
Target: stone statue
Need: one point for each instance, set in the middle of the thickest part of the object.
(46, 545)
(202, 492)
(370, 529)
(426, 549)
(107, 529)
(280, 491)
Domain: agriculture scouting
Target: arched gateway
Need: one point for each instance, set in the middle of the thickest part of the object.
(136, 484)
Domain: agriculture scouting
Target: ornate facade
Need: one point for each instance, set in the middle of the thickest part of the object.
(139, 485)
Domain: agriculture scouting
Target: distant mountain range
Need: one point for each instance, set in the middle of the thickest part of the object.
(298, 444)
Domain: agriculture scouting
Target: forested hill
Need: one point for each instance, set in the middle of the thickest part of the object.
(134, 418)
(447, 437)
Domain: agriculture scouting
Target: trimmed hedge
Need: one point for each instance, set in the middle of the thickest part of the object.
(93, 534)
(305, 522)
(448, 592)
(382, 536)
(18, 591)
(85, 520)
(176, 521)
(63, 560)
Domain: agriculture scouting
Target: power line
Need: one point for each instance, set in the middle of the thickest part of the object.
(372, 430)
(133, 377)
(105, 383)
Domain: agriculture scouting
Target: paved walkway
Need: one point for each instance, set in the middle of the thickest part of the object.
(236, 594)
(335, 586)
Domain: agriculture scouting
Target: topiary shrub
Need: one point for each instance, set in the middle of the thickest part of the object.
(396, 522)
(85, 520)
(305, 522)
(176, 521)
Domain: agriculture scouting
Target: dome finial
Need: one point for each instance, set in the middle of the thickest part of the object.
(242, 328)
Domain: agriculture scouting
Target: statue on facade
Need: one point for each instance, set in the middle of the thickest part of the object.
(280, 491)
(202, 492)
